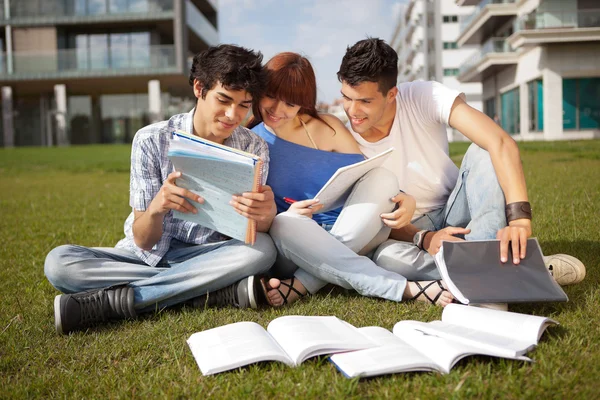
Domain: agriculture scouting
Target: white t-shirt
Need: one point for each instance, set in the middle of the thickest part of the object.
(418, 134)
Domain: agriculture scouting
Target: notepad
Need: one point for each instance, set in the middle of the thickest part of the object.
(474, 274)
(216, 172)
(337, 189)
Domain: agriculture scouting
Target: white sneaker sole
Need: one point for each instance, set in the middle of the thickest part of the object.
(57, 320)
(251, 293)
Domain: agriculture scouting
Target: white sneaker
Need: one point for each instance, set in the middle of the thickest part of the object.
(492, 306)
(565, 269)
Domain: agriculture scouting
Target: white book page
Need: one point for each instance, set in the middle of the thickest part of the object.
(332, 194)
(215, 181)
(445, 352)
(234, 345)
(499, 346)
(303, 337)
(393, 355)
(519, 327)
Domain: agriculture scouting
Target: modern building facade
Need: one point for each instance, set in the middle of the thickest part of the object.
(539, 64)
(95, 71)
(426, 42)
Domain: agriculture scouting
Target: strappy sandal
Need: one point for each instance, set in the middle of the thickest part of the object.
(266, 287)
(422, 291)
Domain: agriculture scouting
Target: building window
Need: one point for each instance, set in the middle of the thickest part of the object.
(450, 18)
(510, 111)
(450, 45)
(581, 103)
(535, 91)
(489, 108)
(450, 71)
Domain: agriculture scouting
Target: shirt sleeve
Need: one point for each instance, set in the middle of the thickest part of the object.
(435, 100)
(145, 181)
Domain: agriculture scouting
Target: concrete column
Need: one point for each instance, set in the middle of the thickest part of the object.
(524, 109)
(154, 103)
(553, 109)
(60, 116)
(180, 37)
(7, 117)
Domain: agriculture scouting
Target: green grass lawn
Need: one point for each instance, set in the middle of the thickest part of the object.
(54, 196)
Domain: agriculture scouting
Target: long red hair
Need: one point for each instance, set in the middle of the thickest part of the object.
(290, 78)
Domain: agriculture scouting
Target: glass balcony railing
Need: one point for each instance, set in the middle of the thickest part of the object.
(493, 45)
(558, 19)
(466, 20)
(70, 8)
(84, 60)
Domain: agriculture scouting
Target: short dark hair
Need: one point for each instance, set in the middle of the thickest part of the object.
(370, 60)
(235, 67)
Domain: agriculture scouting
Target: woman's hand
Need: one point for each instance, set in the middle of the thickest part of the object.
(306, 207)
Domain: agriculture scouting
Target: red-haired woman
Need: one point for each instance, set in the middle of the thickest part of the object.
(305, 150)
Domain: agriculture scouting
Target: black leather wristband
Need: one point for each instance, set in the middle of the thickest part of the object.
(518, 210)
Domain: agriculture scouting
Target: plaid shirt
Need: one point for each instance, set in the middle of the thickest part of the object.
(150, 168)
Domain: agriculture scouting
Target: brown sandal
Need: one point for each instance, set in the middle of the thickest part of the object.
(422, 291)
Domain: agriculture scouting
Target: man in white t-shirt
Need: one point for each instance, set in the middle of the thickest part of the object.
(485, 199)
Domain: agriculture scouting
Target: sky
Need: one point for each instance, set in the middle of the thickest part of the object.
(320, 30)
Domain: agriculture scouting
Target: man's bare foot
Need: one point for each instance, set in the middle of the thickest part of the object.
(280, 292)
(432, 292)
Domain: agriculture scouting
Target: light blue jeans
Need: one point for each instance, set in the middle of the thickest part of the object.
(185, 272)
(477, 202)
(316, 257)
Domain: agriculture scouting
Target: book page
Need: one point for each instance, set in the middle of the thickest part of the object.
(443, 351)
(303, 337)
(184, 144)
(520, 327)
(234, 345)
(393, 355)
(499, 346)
(216, 181)
(334, 193)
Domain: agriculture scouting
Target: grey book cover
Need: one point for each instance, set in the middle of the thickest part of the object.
(474, 274)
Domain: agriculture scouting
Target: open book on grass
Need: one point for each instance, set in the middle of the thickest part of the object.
(336, 190)
(289, 339)
(216, 172)
(474, 274)
(439, 345)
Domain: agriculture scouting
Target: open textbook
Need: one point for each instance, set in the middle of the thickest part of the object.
(289, 339)
(336, 190)
(216, 172)
(439, 345)
(474, 274)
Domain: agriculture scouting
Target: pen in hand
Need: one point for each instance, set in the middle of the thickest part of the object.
(288, 200)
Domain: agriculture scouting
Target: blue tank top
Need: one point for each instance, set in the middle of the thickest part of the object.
(299, 172)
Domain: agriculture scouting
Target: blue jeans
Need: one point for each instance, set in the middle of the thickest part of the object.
(316, 257)
(185, 272)
(477, 202)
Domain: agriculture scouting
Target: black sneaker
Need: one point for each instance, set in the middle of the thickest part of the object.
(241, 294)
(80, 310)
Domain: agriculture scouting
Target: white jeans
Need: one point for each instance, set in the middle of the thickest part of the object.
(317, 257)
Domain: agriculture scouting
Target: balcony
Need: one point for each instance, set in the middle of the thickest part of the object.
(556, 27)
(78, 63)
(461, 3)
(52, 12)
(487, 18)
(495, 54)
(408, 10)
